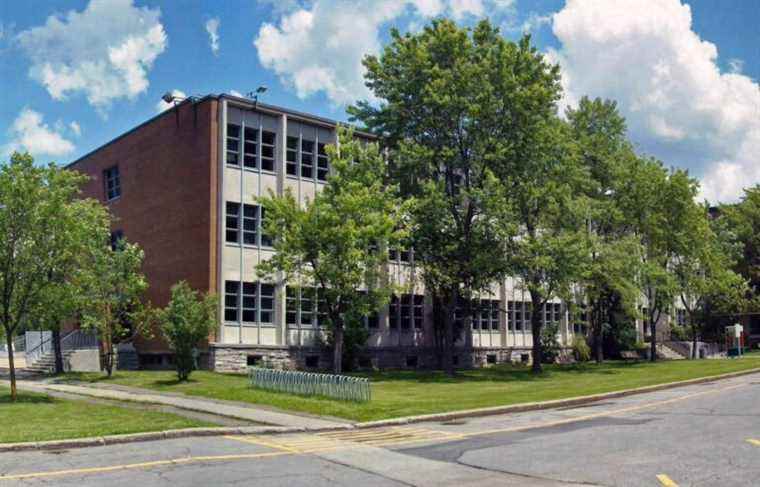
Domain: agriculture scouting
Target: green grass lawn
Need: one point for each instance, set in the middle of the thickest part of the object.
(38, 417)
(405, 393)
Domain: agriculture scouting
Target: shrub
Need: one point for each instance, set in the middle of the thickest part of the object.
(187, 320)
(581, 350)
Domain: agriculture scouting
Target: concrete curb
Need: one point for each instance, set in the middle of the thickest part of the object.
(148, 436)
(536, 406)
(263, 430)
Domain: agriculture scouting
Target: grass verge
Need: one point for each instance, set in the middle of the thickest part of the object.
(407, 393)
(39, 417)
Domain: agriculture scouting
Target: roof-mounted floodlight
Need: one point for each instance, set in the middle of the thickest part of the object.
(254, 95)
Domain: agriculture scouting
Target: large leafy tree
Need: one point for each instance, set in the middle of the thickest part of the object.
(339, 240)
(703, 274)
(742, 220)
(45, 231)
(460, 109)
(608, 280)
(113, 289)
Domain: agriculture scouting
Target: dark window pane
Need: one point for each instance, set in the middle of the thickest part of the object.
(293, 143)
(230, 314)
(251, 134)
(267, 137)
(233, 130)
(307, 146)
(249, 315)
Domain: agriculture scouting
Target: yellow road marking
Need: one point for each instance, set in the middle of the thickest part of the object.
(143, 465)
(258, 441)
(285, 450)
(666, 481)
(752, 441)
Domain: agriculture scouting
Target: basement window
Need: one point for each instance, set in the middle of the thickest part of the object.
(412, 361)
(491, 358)
(253, 360)
(312, 361)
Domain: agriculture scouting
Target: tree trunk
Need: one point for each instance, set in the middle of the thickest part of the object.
(653, 347)
(338, 346)
(535, 327)
(448, 333)
(11, 364)
(693, 338)
(57, 351)
(108, 357)
(598, 334)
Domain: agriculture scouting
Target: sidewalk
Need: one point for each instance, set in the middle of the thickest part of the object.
(210, 406)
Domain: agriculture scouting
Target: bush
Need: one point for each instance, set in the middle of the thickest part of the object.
(550, 345)
(187, 320)
(581, 350)
(355, 336)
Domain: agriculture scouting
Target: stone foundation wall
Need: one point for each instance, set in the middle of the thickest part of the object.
(237, 358)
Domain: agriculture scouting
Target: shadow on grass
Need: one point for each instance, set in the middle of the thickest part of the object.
(23, 398)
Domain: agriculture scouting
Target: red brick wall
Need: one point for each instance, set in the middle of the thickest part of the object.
(168, 202)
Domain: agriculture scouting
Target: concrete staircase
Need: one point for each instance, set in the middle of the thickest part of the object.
(666, 352)
(46, 363)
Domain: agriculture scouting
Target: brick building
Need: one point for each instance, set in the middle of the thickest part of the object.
(183, 186)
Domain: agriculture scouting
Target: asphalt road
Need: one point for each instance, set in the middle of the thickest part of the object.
(702, 435)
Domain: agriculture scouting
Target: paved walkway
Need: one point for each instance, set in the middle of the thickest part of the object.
(220, 408)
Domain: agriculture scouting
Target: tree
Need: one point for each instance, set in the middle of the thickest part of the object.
(44, 227)
(187, 320)
(609, 277)
(742, 221)
(113, 289)
(702, 269)
(453, 104)
(338, 241)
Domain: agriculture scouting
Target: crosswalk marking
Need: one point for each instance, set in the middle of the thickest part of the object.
(305, 443)
(753, 441)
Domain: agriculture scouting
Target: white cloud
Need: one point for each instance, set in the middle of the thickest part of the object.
(680, 107)
(104, 52)
(535, 21)
(319, 47)
(736, 65)
(212, 27)
(29, 133)
(162, 105)
(75, 128)
(236, 93)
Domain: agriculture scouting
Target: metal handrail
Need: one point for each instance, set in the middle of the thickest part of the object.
(39, 350)
(79, 340)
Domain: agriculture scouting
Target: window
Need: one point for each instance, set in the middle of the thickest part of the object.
(257, 301)
(291, 157)
(645, 320)
(580, 320)
(253, 360)
(407, 311)
(112, 183)
(268, 140)
(511, 315)
(305, 307)
(233, 144)
(323, 166)
(246, 225)
(491, 358)
(231, 300)
(412, 361)
(485, 314)
(681, 317)
(312, 361)
(400, 255)
(306, 158)
(116, 236)
(253, 140)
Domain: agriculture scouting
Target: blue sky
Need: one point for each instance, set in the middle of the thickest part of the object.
(77, 73)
